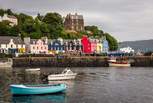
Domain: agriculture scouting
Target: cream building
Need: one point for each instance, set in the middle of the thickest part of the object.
(12, 19)
(9, 44)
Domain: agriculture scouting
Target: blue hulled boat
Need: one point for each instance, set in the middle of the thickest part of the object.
(37, 89)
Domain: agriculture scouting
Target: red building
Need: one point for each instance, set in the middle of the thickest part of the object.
(86, 45)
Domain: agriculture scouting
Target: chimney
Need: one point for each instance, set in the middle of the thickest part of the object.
(45, 39)
(27, 40)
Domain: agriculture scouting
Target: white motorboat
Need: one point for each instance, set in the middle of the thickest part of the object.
(6, 64)
(65, 75)
(33, 69)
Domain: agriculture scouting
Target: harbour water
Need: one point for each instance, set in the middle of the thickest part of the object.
(92, 85)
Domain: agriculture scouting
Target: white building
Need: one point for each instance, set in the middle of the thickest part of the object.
(12, 19)
(127, 50)
(9, 44)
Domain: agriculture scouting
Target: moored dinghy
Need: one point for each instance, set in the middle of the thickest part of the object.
(33, 69)
(6, 64)
(65, 75)
(37, 89)
(120, 63)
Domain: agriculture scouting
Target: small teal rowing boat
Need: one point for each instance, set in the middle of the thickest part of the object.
(37, 89)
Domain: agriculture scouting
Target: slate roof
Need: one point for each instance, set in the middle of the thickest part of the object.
(75, 16)
(33, 40)
(11, 16)
(6, 40)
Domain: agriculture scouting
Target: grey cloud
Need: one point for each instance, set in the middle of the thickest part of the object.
(124, 19)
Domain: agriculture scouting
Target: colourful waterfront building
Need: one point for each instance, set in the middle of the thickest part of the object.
(105, 44)
(36, 46)
(93, 45)
(55, 45)
(86, 45)
(78, 45)
(99, 46)
(72, 45)
(11, 45)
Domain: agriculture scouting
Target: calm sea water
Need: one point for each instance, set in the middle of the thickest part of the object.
(92, 85)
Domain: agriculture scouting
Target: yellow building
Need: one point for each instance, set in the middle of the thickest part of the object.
(99, 47)
(21, 50)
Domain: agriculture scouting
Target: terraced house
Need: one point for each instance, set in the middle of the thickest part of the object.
(36, 46)
(64, 45)
(11, 45)
(92, 45)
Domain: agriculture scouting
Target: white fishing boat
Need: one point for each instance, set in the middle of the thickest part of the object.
(6, 64)
(65, 75)
(114, 63)
(33, 69)
(117, 64)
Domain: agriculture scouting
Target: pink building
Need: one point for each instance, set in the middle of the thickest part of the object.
(93, 45)
(36, 46)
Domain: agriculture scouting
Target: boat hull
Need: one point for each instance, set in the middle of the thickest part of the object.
(21, 90)
(34, 69)
(6, 65)
(119, 65)
(62, 76)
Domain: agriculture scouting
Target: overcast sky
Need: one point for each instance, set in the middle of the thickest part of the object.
(127, 20)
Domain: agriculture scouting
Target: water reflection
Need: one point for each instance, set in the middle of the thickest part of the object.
(56, 98)
(5, 80)
(92, 85)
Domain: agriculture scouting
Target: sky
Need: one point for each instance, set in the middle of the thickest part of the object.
(126, 20)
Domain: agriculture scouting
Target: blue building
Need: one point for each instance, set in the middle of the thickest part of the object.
(55, 45)
(105, 45)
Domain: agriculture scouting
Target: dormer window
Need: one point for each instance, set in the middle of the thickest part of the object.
(11, 40)
(34, 42)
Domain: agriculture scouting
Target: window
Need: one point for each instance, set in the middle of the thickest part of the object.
(37, 48)
(11, 46)
(33, 47)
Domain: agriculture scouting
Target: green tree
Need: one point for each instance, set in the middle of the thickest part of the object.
(28, 26)
(55, 24)
(113, 44)
(9, 12)
(14, 31)
(37, 24)
(53, 18)
(40, 17)
(2, 12)
(94, 31)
